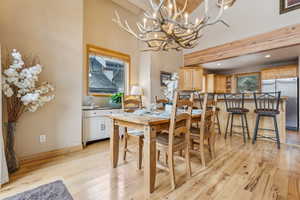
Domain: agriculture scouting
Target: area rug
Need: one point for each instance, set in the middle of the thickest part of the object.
(52, 191)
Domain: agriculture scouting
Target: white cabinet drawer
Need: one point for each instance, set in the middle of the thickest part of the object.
(95, 113)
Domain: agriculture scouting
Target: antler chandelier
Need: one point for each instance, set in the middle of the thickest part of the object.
(167, 27)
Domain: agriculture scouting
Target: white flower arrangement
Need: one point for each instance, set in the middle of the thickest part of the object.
(20, 87)
(172, 85)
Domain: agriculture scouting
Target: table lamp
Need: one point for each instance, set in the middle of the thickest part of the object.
(136, 91)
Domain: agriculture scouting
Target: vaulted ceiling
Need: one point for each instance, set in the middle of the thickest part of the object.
(143, 4)
(192, 4)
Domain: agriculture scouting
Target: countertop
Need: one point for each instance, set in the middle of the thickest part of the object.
(100, 108)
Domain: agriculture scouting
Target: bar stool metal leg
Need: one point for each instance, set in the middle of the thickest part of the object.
(256, 129)
(277, 132)
(247, 127)
(231, 124)
(227, 124)
(218, 122)
(243, 127)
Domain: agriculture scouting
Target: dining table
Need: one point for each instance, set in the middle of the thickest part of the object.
(150, 123)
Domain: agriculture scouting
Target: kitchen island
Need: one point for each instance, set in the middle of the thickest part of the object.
(266, 123)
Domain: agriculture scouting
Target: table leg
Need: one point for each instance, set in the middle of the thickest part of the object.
(149, 159)
(114, 145)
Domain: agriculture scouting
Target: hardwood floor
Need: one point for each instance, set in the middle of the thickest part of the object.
(247, 172)
(293, 138)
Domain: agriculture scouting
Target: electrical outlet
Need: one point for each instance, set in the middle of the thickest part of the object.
(43, 139)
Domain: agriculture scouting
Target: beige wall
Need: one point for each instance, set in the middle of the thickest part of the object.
(51, 29)
(152, 63)
(246, 18)
(99, 30)
(163, 61)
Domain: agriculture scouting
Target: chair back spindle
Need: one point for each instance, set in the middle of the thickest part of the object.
(234, 101)
(208, 114)
(131, 103)
(161, 103)
(267, 102)
(180, 121)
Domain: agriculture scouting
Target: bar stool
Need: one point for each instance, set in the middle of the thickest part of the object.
(267, 105)
(235, 106)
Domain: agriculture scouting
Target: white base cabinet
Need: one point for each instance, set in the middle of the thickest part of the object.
(96, 125)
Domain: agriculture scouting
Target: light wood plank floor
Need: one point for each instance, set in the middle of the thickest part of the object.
(247, 172)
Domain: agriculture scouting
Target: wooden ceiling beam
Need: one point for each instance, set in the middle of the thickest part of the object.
(280, 38)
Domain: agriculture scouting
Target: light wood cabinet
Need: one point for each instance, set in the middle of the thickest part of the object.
(216, 83)
(191, 78)
(289, 71)
(220, 83)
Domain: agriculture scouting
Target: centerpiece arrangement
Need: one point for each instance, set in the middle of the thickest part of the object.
(23, 93)
(171, 86)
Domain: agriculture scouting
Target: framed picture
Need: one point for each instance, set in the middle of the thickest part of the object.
(289, 5)
(164, 76)
(249, 82)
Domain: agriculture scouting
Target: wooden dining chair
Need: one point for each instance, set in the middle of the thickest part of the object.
(178, 137)
(131, 104)
(206, 131)
(161, 103)
(198, 104)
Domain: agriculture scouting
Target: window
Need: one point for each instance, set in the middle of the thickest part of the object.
(108, 71)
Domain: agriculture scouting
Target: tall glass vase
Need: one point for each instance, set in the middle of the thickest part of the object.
(10, 153)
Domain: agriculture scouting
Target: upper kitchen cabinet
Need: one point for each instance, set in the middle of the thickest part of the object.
(288, 71)
(216, 83)
(191, 78)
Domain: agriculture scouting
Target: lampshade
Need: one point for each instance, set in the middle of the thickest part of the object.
(136, 90)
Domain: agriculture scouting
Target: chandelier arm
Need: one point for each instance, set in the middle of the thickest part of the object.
(145, 31)
(219, 14)
(148, 16)
(175, 6)
(177, 41)
(189, 41)
(206, 8)
(183, 42)
(184, 8)
(184, 35)
(130, 29)
(188, 37)
(225, 23)
(176, 23)
(126, 28)
(155, 40)
(156, 7)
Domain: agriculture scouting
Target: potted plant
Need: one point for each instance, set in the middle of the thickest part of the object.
(117, 98)
(23, 93)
